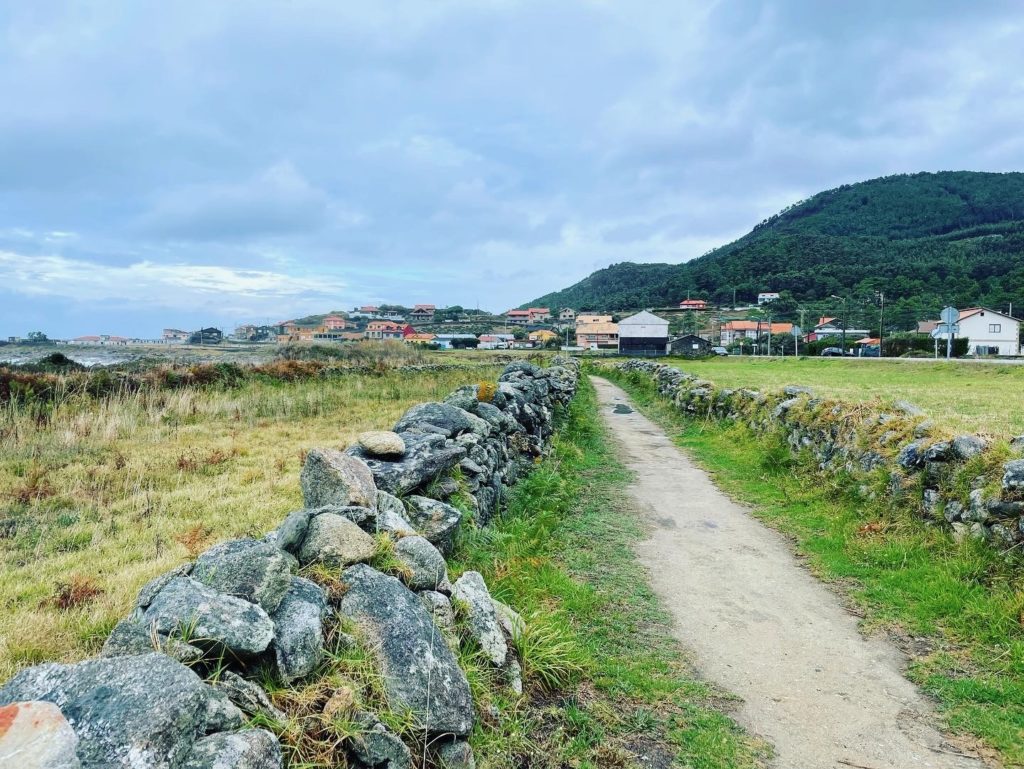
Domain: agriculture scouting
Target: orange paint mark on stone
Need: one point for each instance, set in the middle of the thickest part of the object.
(7, 715)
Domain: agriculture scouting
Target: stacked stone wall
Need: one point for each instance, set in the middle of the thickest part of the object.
(363, 563)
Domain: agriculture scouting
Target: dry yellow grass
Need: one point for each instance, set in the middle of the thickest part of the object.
(109, 494)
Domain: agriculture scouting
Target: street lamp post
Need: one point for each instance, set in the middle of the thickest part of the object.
(843, 300)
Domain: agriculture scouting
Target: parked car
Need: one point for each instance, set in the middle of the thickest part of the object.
(719, 351)
(832, 352)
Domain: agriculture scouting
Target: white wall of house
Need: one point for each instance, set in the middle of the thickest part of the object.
(991, 329)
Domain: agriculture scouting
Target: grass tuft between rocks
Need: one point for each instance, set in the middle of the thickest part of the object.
(956, 608)
(605, 685)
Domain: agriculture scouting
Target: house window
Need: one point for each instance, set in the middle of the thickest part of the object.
(995, 328)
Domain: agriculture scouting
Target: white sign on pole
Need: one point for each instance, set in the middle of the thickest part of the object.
(797, 332)
(950, 315)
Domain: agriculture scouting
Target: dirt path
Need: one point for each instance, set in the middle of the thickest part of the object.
(759, 626)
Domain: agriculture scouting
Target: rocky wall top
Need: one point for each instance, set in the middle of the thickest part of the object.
(361, 565)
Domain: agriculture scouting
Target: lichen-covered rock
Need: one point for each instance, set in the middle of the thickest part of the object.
(143, 712)
(130, 637)
(205, 618)
(425, 565)
(483, 623)
(331, 477)
(382, 443)
(391, 515)
(155, 585)
(419, 671)
(967, 446)
(299, 633)
(35, 735)
(435, 520)
(910, 456)
(441, 417)
(247, 696)
(455, 754)
(377, 747)
(426, 457)
(247, 749)
(1013, 475)
(336, 541)
(439, 606)
(255, 571)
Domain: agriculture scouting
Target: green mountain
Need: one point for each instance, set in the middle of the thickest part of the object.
(925, 239)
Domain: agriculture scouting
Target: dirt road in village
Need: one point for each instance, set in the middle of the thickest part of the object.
(758, 625)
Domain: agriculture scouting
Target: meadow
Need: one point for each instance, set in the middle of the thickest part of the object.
(968, 397)
(105, 493)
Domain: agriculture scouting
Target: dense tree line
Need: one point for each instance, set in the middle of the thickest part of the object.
(925, 240)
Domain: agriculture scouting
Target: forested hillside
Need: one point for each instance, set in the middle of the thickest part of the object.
(925, 239)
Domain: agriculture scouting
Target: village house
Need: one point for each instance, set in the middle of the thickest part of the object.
(175, 336)
(102, 340)
(517, 317)
(989, 332)
(643, 334)
(690, 346)
(334, 323)
(734, 330)
(765, 297)
(827, 328)
(384, 329)
(585, 318)
(598, 335)
(567, 315)
(452, 341)
(693, 304)
(538, 314)
(417, 338)
(542, 336)
(496, 341)
(424, 313)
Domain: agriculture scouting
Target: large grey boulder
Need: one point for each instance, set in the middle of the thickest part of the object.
(332, 477)
(143, 712)
(424, 563)
(420, 673)
(377, 747)
(247, 749)
(207, 618)
(291, 533)
(482, 620)
(155, 585)
(35, 735)
(259, 572)
(968, 446)
(382, 443)
(437, 521)
(426, 457)
(299, 632)
(336, 541)
(435, 417)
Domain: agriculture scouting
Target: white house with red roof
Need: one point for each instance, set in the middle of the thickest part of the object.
(989, 332)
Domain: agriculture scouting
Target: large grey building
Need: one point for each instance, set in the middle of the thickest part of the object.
(643, 334)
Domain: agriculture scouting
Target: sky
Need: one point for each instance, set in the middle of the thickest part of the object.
(195, 163)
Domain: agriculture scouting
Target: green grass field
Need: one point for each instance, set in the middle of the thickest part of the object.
(968, 397)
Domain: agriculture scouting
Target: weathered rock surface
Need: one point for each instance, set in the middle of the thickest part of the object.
(128, 712)
(130, 636)
(483, 623)
(35, 735)
(439, 606)
(435, 520)
(456, 755)
(382, 443)
(247, 696)
(426, 457)
(442, 417)
(299, 632)
(426, 565)
(247, 749)
(336, 541)
(331, 477)
(391, 515)
(377, 747)
(207, 618)
(419, 671)
(1013, 475)
(245, 568)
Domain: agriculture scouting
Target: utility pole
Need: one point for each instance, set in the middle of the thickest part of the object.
(769, 335)
(843, 300)
(881, 326)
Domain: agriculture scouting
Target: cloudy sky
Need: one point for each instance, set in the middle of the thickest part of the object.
(171, 164)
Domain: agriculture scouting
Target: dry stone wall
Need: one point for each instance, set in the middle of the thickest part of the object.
(970, 483)
(177, 683)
